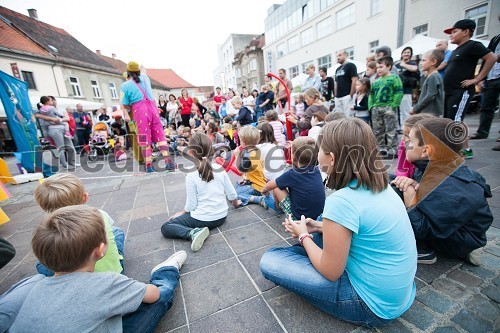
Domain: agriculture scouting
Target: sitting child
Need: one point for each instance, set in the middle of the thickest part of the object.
(300, 190)
(404, 167)
(244, 116)
(250, 186)
(271, 155)
(206, 189)
(272, 119)
(300, 105)
(446, 201)
(317, 123)
(359, 264)
(229, 136)
(65, 189)
(71, 241)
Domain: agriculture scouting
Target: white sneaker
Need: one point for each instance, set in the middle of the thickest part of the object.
(199, 239)
(175, 260)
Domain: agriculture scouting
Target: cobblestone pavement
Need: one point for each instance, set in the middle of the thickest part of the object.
(222, 289)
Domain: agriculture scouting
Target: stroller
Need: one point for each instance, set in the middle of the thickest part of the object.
(101, 142)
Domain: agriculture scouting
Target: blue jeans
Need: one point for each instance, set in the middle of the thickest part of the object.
(147, 316)
(291, 268)
(119, 240)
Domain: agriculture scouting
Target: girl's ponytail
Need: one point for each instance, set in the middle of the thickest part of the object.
(205, 170)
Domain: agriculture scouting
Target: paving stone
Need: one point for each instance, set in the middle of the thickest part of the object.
(446, 329)
(471, 323)
(429, 273)
(215, 249)
(251, 237)
(492, 233)
(139, 268)
(496, 280)
(465, 278)
(483, 307)
(418, 316)
(139, 245)
(263, 213)
(251, 261)
(250, 316)
(450, 288)
(121, 216)
(175, 316)
(478, 271)
(148, 200)
(149, 210)
(100, 190)
(420, 284)
(182, 329)
(492, 292)
(98, 200)
(218, 286)
(275, 224)
(19, 273)
(435, 301)
(490, 261)
(299, 316)
(395, 327)
(494, 250)
(238, 218)
(21, 238)
(115, 207)
(147, 224)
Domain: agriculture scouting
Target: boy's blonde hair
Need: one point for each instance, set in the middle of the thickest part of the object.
(65, 239)
(249, 135)
(60, 190)
(236, 99)
(334, 116)
(304, 151)
(226, 126)
(271, 115)
(372, 64)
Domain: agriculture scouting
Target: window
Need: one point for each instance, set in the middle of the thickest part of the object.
(325, 61)
(420, 30)
(112, 88)
(75, 85)
(345, 17)
(307, 36)
(479, 15)
(294, 71)
(305, 13)
(281, 49)
(293, 43)
(324, 27)
(375, 7)
(28, 78)
(95, 88)
(304, 65)
(253, 64)
(350, 52)
(372, 46)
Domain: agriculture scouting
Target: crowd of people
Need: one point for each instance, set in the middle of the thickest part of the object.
(358, 247)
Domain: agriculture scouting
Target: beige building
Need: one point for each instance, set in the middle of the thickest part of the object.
(249, 65)
(430, 17)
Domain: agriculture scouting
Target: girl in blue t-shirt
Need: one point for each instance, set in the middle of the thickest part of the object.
(360, 262)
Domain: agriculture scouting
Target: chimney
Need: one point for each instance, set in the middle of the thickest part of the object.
(98, 52)
(33, 14)
(113, 55)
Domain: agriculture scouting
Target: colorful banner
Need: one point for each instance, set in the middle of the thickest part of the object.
(20, 117)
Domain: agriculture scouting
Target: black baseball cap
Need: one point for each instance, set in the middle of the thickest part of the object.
(465, 24)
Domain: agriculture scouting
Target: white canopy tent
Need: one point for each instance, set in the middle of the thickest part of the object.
(63, 103)
(421, 44)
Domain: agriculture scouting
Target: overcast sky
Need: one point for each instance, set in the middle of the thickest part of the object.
(178, 34)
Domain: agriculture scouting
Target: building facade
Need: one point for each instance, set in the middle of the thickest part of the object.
(228, 50)
(300, 32)
(249, 65)
(430, 18)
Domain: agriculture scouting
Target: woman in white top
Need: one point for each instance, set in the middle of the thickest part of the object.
(271, 155)
(231, 111)
(248, 100)
(172, 109)
(206, 189)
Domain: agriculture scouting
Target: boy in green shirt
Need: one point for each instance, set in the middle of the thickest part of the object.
(66, 189)
(385, 96)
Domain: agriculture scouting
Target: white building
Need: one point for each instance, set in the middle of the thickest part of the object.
(430, 17)
(225, 75)
(302, 32)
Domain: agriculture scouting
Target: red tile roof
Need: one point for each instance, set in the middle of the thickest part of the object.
(169, 78)
(122, 67)
(12, 38)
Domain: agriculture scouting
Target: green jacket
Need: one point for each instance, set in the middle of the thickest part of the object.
(386, 91)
